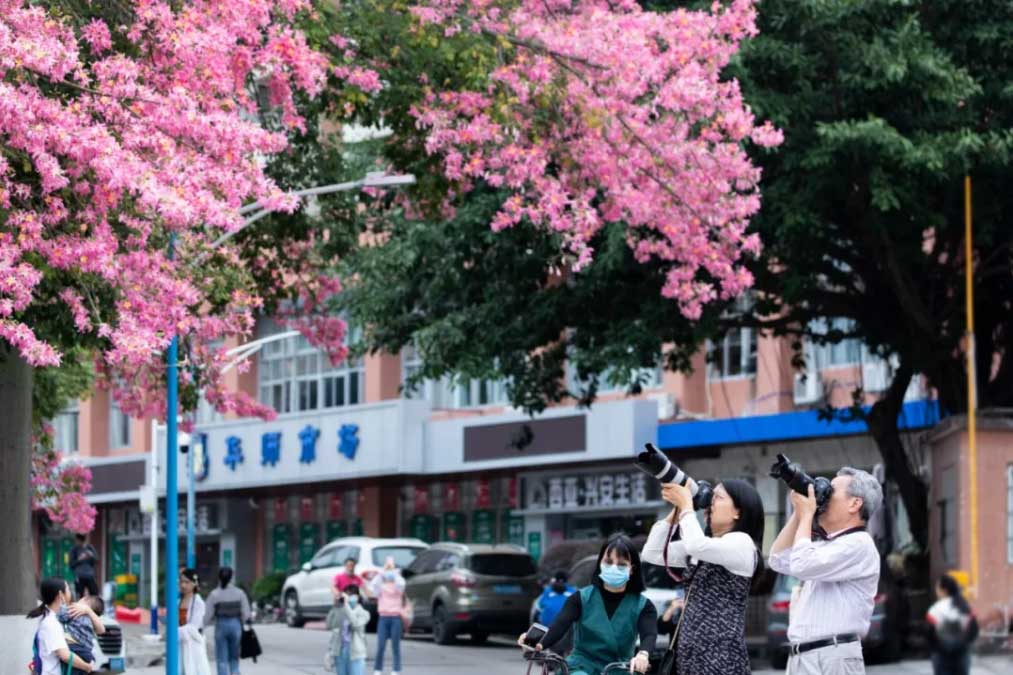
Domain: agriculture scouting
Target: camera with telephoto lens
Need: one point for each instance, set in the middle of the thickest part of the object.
(654, 463)
(799, 481)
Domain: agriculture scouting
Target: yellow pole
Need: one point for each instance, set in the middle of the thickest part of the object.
(972, 385)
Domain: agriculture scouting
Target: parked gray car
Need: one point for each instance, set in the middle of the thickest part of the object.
(476, 589)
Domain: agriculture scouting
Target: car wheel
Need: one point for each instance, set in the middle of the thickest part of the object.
(479, 637)
(293, 613)
(779, 660)
(442, 633)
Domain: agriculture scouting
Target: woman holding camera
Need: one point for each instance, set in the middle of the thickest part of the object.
(721, 563)
(609, 615)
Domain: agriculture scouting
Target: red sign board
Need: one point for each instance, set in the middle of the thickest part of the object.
(306, 509)
(512, 493)
(452, 497)
(482, 500)
(336, 507)
(280, 515)
(421, 499)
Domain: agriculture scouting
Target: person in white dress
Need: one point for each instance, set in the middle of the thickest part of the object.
(193, 649)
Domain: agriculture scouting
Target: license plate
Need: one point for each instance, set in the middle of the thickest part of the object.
(507, 589)
(117, 664)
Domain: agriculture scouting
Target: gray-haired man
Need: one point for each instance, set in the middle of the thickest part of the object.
(832, 607)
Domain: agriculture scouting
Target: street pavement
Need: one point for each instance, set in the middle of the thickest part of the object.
(289, 651)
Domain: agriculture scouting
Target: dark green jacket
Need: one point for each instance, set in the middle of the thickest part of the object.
(599, 640)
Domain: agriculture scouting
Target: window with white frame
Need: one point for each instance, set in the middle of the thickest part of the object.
(295, 376)
(734, 356)
(119, 426)
(846, 352)
(1009, 514)
(649, 378)
(448, 392)
(65, 427)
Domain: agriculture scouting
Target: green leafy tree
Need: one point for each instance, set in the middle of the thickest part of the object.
(885, 105)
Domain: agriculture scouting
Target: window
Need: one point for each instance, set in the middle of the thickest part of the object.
(502, 565)
(65, 426)
(846, 352)
(1009, 514)
(735, 355)
(119, 426)
(649, 378)
(325, 558)
(295, 376)
(446, 392)
(403, 555)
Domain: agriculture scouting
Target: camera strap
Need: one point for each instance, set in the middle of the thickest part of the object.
(677, 578)
(850, 530)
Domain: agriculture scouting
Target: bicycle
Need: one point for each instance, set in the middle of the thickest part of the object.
(552, 662)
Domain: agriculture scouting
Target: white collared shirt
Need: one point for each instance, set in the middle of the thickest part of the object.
(734, 551)
(840, 577)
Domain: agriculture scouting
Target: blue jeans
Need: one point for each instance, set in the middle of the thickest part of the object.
(389, 628)
(228, 632)
(343, 665)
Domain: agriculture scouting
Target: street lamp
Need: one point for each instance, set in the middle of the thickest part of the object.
(371, 180)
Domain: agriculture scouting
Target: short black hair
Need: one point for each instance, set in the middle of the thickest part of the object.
(97, 604)
(80, 538)
(352, 589)
(561, 575)
(350, 560)
(624, 548)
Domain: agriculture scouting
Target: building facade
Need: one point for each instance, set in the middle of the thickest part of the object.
(351, 453)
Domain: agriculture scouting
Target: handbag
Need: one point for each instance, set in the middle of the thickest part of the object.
(249, 645)
(407, 615)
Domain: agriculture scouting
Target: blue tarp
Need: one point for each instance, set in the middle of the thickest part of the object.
(784, 427)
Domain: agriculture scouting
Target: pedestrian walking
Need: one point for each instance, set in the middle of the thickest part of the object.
(347, 622)
(720, 564)
(83, 561)
(607, 616)
(831, 608)
(228, 608)
(952, 629)
(50, 648)
(388, 589)
(192, 645)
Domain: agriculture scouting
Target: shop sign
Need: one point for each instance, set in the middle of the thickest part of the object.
(512, 501)
(421, 499)
(452, 497)
(306, 508)
(336, 507)
(483, 527)
(482, 498)
(279, 547)
(589, 490)
(535, 545)
(348, 440)
(117, 558)
(308, 444)
(233, 452)
(309, 541)
(336, 529)
(455, 527)
(270, 448)
(423, 527)
(201, 460)
(513, 527)
(280, 508)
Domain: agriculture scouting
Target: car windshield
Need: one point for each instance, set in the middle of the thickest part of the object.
(655, 576)
(403, 555)
(502, 565)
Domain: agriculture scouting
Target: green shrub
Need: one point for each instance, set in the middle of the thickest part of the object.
(268, 588)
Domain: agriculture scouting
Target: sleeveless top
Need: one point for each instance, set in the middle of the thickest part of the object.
(712, 636)
(599, 640)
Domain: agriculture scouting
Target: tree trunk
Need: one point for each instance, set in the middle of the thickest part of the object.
(17, 576)
(882, 421)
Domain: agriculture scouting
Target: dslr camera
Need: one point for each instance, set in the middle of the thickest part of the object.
(799, 481)
(654, 463)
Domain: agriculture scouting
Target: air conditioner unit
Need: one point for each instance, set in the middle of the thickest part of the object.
(666, 405)
(876, 375)
(807, 388)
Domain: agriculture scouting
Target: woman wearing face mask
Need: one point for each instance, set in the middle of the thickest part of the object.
(192, 646)
(388, 589)
(51, 649)
(721, 564)
(609, 615)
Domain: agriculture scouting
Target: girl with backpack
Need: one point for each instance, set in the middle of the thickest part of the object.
(952, 629)
(51, 654)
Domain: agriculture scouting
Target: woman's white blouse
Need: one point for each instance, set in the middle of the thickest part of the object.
(734, 551)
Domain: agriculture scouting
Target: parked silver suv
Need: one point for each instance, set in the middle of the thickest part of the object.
(476, 589)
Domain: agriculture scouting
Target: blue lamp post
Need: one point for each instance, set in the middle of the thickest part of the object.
(172, 505)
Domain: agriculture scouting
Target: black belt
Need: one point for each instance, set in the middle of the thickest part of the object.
(804, 647)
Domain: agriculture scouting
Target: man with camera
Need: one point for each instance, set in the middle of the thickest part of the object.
(839, 572)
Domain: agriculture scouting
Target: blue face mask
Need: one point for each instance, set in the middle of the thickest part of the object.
(389, 576)
(353, 601)
(614, 575)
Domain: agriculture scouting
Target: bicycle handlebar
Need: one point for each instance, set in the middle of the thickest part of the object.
(617, 665)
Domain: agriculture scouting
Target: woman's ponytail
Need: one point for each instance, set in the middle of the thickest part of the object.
(49, 590)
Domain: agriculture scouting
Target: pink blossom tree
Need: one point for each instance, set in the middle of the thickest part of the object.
(124, 126)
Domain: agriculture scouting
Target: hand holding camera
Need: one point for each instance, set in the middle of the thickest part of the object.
(802, 483)
(678, 496)
(654, 463)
